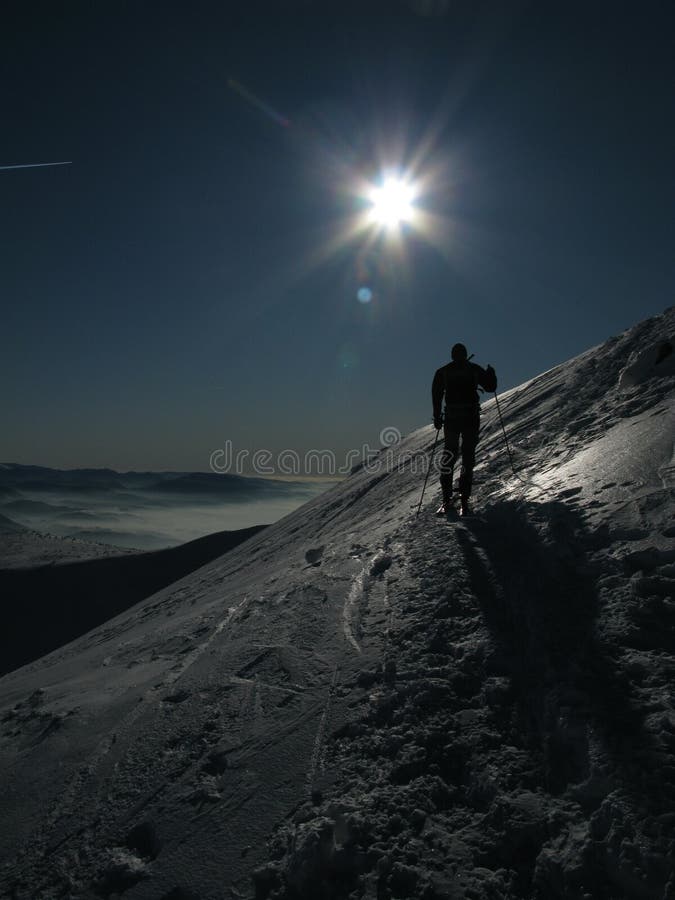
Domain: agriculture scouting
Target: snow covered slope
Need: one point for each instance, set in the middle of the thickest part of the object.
(358, 703)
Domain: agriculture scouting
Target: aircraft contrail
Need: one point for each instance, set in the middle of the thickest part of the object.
(36, 165)
(257, 102)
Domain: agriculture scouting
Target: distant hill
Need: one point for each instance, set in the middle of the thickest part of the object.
(28, 549)
(71, 598)
(7, 524)
(15, 477)
(40, 478)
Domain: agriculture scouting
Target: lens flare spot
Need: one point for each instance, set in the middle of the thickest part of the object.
(364, 294)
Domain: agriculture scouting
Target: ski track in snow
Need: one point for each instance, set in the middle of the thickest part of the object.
(321, 733)
(354, 597)
(194, 655)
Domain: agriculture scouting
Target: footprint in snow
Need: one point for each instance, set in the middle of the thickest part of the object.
(381, 562)
(177, 697)
(143, 841)
(314, 555)
(570, 492)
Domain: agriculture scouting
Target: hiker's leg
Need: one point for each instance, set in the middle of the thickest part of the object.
(450, 452)
(470, 430)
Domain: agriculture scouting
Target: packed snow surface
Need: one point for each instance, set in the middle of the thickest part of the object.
(359, 703)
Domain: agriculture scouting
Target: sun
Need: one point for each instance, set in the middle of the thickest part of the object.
(391, 203)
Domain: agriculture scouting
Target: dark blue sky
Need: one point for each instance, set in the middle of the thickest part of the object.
(179, 285)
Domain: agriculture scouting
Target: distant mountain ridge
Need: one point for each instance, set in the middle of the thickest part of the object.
(28, 477)
(209, 482)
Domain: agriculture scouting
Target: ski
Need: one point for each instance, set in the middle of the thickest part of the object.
(456, 511)
(448, 511)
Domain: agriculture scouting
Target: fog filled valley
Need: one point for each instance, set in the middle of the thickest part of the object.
(133, 510)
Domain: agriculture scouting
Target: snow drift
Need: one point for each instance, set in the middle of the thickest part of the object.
(359, 704)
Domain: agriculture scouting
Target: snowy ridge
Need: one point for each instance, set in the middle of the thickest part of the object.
(358, 704)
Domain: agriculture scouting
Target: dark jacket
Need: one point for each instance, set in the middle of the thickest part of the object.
(458, 382)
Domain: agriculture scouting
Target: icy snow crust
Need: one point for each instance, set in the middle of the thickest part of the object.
(359, 704)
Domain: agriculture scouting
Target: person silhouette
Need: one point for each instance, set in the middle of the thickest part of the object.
(458, 383)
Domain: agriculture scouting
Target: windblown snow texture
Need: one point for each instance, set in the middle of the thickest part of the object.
(358, 704)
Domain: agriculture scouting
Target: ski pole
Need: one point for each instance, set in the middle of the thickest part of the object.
(433, 451)
(506, 440)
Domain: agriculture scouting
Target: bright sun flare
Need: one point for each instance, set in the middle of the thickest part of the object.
(392, 203)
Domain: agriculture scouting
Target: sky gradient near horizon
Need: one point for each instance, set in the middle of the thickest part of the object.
(189, 280)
